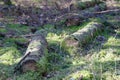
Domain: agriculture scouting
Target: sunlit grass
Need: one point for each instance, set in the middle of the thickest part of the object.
(8, 57)
(55, 37)
(102, 64)
(78, 74)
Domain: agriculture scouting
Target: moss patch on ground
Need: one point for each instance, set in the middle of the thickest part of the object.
(100, 62)
(9, 56)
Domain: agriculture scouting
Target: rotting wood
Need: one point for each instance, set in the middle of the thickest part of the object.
(82, 36)
(36, 49)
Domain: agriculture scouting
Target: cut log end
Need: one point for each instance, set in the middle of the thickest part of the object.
(29, 65)
(71, 42)
(83, 36)
(36, 49)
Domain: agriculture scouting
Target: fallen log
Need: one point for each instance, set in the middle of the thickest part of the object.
(36, 49)
(82, 15)
(82, 36)
(91, 10)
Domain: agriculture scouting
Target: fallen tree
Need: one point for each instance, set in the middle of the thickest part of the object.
(83, 15)
(87, 4)
(36, 49)
(82, 36)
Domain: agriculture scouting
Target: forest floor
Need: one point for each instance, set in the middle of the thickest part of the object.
(97, 60)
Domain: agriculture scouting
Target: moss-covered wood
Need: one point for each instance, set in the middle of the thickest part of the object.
(82, 36)
(36, 49)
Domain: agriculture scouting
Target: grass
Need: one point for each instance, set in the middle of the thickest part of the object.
(100, 62)
(103, 64)
(88, 68)
(8, 57)
(3, 30)
(19, 28)
(9, 53)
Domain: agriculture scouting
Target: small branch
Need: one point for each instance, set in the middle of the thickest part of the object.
(106, 11)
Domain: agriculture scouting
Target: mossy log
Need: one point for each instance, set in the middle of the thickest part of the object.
(36, 49)
(82, 36)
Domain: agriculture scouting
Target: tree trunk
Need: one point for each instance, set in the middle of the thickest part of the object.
(82, 36)
(36, 49)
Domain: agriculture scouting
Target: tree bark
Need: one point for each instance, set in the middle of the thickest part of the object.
(36, 49)
(82, 36)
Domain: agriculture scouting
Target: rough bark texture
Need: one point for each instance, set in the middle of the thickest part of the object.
(36, 49)
(84, 35)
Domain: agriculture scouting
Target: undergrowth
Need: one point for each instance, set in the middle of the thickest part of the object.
(101, 62)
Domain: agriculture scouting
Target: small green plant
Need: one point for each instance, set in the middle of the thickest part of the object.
(29, 76)
(8, 57)
(81, 5)
(43, 65)
(3, 30)
(19, 29)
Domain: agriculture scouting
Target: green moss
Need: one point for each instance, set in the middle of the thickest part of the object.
(50, 62)
(99, 63)
(3, 30)
(12, 41)
(19, 28)
(73, 38)
(8, 57)
(113, 43)
(58, 35)
(47, 28)
(16, 39)
(52, 37)
(29, 76)
(43, 65)
(9, 43)
(86, 75)
(81, 5)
